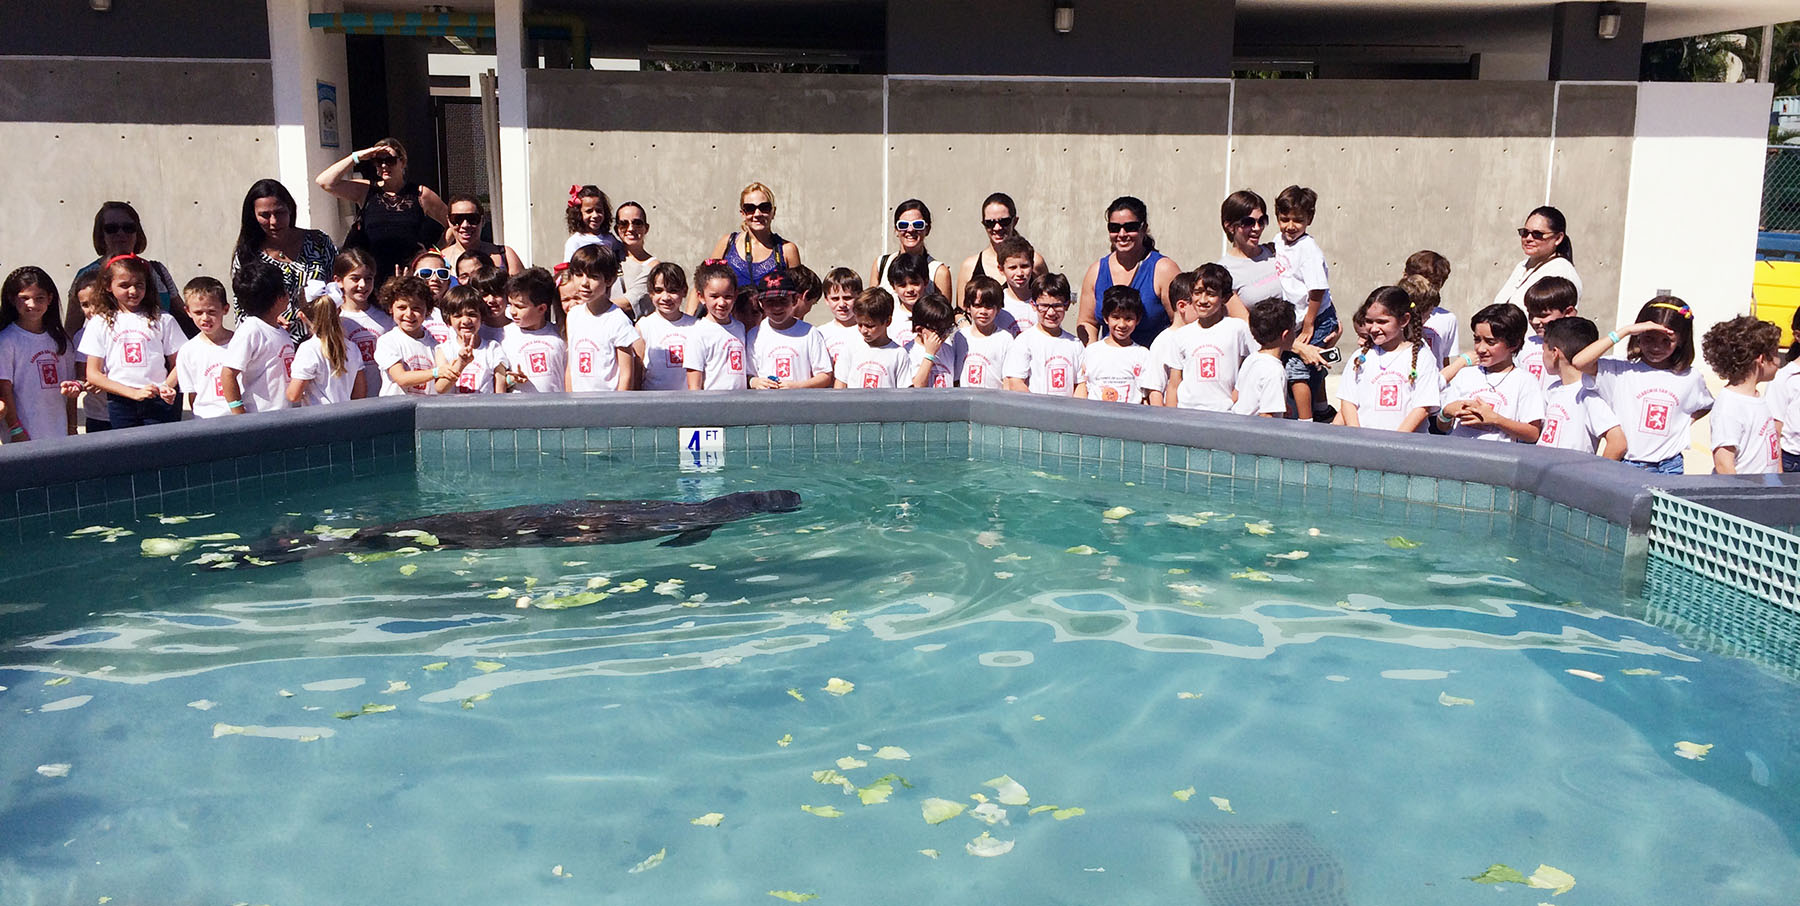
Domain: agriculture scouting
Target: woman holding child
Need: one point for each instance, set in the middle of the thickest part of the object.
(1548, 253)
(1134, 262)
(1254, 277)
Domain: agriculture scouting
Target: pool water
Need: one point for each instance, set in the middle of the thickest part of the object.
(1218, 700)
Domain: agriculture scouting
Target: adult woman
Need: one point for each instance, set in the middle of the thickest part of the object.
(119, 231)
(1135, 262)
(1254, 277)
(1548, 253)
(399, 218)
(266, 232)
(912, 223)
(756, 249)
(467, 217)
(632, 225)
(1000, 221)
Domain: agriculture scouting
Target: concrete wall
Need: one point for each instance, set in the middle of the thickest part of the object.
(302, 57)
(1015, 37)
(1578, 52)
(237, 29)
(182, 141)
(1399, 166)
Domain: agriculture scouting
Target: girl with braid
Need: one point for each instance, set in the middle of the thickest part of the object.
(1392, 383)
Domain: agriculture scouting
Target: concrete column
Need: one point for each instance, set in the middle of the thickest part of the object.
(301, 58)
(512, 197)
(1578, 53)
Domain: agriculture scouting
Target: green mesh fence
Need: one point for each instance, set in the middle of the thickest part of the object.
(1781, 189)
(1736, 581)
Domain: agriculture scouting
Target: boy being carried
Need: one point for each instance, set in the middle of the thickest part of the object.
(1305, 281)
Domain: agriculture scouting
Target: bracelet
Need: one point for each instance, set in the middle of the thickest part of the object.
(234, 404)
(434, 373)
(930, 358)
(18, 430)
(1468, 358)
(1614, 337)
(354, 160)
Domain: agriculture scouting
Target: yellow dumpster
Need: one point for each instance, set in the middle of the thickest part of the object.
(1777, 294)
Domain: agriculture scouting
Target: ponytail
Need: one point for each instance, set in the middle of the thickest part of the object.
(330, 332)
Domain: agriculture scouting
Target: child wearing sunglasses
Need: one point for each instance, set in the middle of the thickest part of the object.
(912, 223)
(431, 267)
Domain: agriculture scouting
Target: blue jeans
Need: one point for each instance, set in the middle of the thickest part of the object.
(1670, 466)
(1790, 462)
(124, 413)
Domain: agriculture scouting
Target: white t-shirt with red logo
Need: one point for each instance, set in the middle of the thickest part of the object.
(1531, 359)
(1048, 364)
(795, 353)
(540, 354)
(665, 350)
(837, 337)
(411, 353)
(863, 367)
(135, 349)
(1745, 422)
(197, 368)
(311, 365)
(1022, 313)
(263, 356)
(30, 361)
(477, 376)
(1514, 394)
(1114, 373)
(435, 325)
(717, 351)
(1575, 417)
(594, 344)
(1208, 359)
(948, 368)
(1387, 386)
(1783, 394)
(1156, 371)
(1261, 386)
(1655, 407)
(1441, 336)
(984, 357)
(364, 328)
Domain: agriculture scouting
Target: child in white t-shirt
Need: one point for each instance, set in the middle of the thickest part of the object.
(985, 341)
(472, 361)
(786, 353)
(260, 358)
(1423, 279)
(327, 368)
(131, 344)
(1018, 267)
(666, 329)
(1392, 384)
(910, 277)
(1208, 350)
(938, 351)
(877, 362)
(1046, 359)
(37, 385)
(1305, 282)
(716, 358)
(1655, 390)
(842, 286)
(1261, 380)
(353, 273)
(1490, 399)
(407, 354)
(1575, 417)
(1784, 402)
(200, 364)
(537, 359)
(1746, 439)
(604, 346)
(1112, 367)
(86, 293)
(1162, 349)
(1546, 301)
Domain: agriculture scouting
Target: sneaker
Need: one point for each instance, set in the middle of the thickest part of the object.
(1326, 415)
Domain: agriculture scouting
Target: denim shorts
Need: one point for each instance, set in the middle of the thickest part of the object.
(1297, 370)
(1670, 466)
(1790, 462)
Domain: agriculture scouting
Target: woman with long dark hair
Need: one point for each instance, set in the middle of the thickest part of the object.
(266, 232)
(1548, 253)
(1133, 261)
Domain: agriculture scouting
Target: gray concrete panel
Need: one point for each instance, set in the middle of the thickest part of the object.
(1419, 109)
(706, 102)
(137, 28)
(191, 92)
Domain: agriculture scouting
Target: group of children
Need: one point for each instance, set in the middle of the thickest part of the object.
(480, 331)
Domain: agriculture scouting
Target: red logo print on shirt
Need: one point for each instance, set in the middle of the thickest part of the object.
(1209, 368)
(675, 357)
(47, 374)
(134, 352)
(368, 349)
(584, 363)
(540, 363)
(940, 378)
(465, 382)
(974, 374)
(784, 367)
(734, 356)
(1536, 369)
(1059, 377)
(1389, 397)
(1550, 426)
(871, 379)
(218, 385)
(1656, 417)
(287, 363)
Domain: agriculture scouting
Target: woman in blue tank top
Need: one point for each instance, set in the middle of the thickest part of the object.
(1135, 262)
(756, 250)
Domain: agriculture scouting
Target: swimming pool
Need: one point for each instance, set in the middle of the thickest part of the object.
(1224, 690)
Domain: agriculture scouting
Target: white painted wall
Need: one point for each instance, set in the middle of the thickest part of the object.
(514, 204)
(1696, 193)
(302, 57)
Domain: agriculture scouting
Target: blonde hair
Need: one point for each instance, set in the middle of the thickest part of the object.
(756, 187)
(330, 331)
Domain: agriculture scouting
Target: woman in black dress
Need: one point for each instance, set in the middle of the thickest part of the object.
(399, 218)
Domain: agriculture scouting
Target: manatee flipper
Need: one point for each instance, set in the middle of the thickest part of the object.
(689, 537)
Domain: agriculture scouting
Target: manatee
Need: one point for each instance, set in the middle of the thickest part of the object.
(563, 524)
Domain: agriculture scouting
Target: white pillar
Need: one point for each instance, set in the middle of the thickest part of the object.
(300, 59)
(513, 195)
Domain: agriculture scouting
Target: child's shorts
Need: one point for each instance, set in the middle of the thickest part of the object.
(1323, 326)
(1790, 462)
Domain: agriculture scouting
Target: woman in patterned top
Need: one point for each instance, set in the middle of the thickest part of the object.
(267, 233)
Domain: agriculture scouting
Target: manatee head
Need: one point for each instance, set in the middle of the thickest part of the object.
(774, 501)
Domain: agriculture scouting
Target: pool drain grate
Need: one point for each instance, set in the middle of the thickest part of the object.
(1263, 865)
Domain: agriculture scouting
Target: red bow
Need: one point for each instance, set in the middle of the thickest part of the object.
(574, 196)
(712, 261)
(560, 268)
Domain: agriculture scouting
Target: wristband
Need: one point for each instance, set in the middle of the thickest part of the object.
(1468, 358)
(930, 358)
(354, 160)
(234, 404)
(1614, 337)
(434, 374)
(18, 430)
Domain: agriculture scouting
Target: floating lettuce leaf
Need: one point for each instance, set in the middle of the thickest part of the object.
(938, 811)
(59, 681)
(1043, 808)
(1401, 543)
(1586, 674)
(829, 776)
(468, 704)
(786, 740)
(792, 897)
(875, 793)
(488, 666)
(1291, 555)
(848, 763)
(987, 847)
(1259, 528)
(1552, 879)
(1692, 751)
(1222, 804)
(1184, 795)
(893, 753)
(165, 547)
(1081, 550)
(655, 859)
(932, 853)
(1451, 701)
(1064, 814)
(377, 556)
(837, 686)
(797, 695)
(1499, 874)
(408, 569)
(823, 811)
(710, 819)
(1641, 671)
(1118, 512)
(1008, 790)
(436, 665)
(1189, 694)
(1252, 575)
(421, 536)
(566, 602)
(989, 812)
(394, 686)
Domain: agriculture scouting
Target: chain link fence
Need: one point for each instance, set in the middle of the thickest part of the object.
(1781, 189)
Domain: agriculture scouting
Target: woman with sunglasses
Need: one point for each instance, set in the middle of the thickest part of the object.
(1548, 253)
(1000, 221)
(398, 217)
(119, 231)
(1134, 262)
(467, 217)
(912, 223)
(266, 233)
(756, 249)
(1243, 216)
(632, 225)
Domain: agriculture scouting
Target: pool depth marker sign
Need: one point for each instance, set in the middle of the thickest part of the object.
(702, 449)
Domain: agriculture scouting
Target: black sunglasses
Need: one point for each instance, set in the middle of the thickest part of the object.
(115, 228)
(632, 223)
(1539, 235)
(464, 219)
(1006, 222)
(1129, 226)
(765, 207)
(1248, 222)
